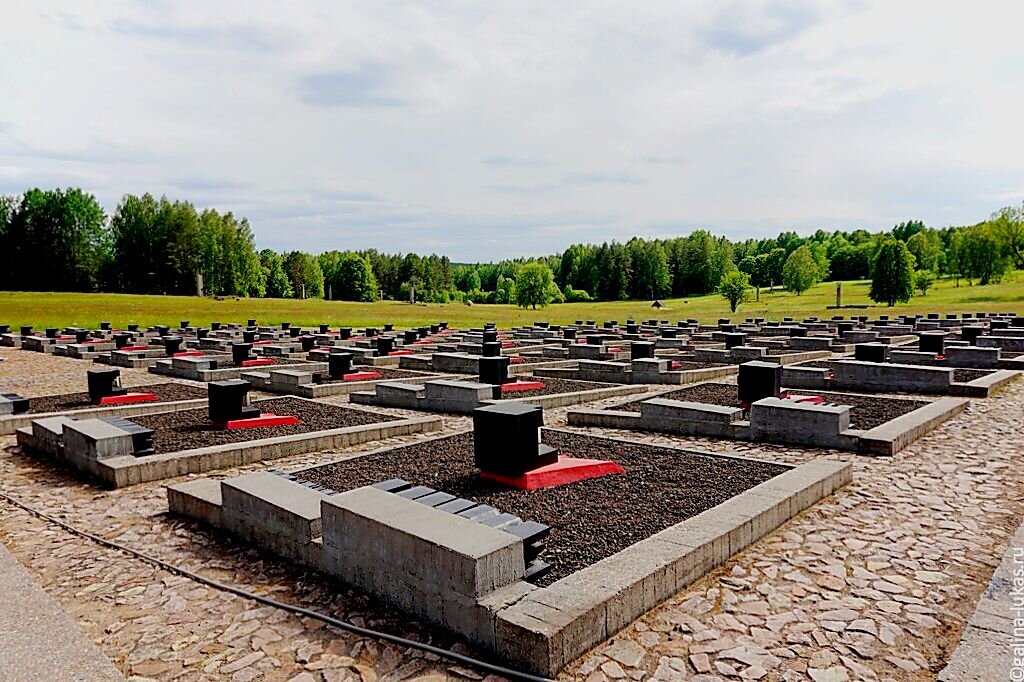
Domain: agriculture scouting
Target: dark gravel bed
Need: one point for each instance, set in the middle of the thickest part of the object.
(820, 364)
(866, 412)
(961, 375)
(192, 429)
(165, 392)
(553, 386)
(589, 520)
(965, 375)
(229, 364)
(687, 364)
(385, 373)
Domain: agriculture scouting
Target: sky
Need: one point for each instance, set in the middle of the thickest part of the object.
(489, 130)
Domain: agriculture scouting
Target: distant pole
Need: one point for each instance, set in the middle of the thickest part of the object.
(839, 294)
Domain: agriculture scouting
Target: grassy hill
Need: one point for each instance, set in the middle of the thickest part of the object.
(46, 309)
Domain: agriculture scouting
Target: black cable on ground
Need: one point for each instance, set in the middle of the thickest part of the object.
(340, 624)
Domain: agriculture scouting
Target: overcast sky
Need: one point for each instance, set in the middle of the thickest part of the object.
(486, 130)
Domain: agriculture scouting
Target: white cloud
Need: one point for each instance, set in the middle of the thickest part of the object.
(497, 129)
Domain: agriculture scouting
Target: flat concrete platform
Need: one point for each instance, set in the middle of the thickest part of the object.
(39, 641)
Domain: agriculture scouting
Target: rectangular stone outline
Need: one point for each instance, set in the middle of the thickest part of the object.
(886, 439)
(551, 626)
(119, 472)
(208, 375)
(10, 423)
(543, 629)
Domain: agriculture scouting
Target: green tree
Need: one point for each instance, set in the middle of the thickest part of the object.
(904, 231)
(353, 279)
(1008, 227)
(735, 288)
(61, 234)
(923, 281)
(926, 247)
(534, 285)
(800, 271)
(892, 277)
(277, 282)
(304, 272)
(983, 256)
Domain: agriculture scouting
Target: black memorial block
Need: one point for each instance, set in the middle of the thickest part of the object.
(183, 324)
(26, 330)
(103, 383)
(142, 438)
(734, 339)
(371, 332)
(385, 344)
(669, 332)
(215, 326)
(294, 332)
(490, 335)
(993, 325)
(506, 439)
(307, 343)
(389, 327)
(202, 332)
(931, 342)
(871, 352)
(641, 350)
(105, 326)
(133, 328)
(339, 364)
(240, 352)
(423, 332)
(757, 380)
(843, 327)
(797, 332)
(494, 371)
(595, 339)
(285, 326)
(250, 323)
(51, 332)
(121, 339)
(491, 349)
(409, 336)
(434, 328)
(344, 333)
(172, 344)
(162, 330)
(632, 329)
(568, 333)
(971, 334)
(81, 335)
(19, 405)
(229, 400)
(323, 328)
(442, 324)
(248, 336)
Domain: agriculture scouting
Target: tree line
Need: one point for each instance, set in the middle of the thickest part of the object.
(62, 240)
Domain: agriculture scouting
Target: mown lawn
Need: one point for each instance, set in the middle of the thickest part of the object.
(47, 309)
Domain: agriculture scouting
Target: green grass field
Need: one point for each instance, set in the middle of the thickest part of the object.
(45, 309)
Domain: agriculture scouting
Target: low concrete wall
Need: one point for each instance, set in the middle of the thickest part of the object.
(121, 471)
(12, 422)
(775, 421)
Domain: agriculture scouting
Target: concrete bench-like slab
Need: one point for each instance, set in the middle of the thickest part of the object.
(269, 508)
(429, 554)
(199, 499)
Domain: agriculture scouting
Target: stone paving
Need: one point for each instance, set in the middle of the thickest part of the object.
(873, 583)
